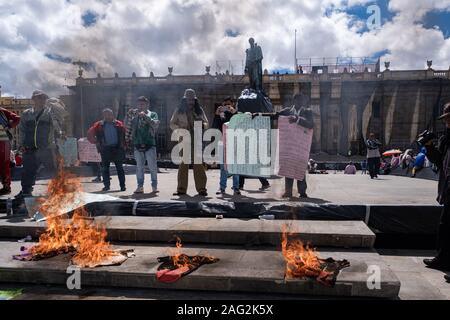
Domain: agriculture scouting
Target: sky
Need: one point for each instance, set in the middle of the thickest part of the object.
(39, 39)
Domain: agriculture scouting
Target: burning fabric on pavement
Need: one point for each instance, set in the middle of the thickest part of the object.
(79, 236)
(178, 265)
(304, 262)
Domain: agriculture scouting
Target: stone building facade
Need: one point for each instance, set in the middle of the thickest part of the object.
(395, 105)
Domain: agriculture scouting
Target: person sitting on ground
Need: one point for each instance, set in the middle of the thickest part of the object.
(350, 169)
(419, 162)
(406, 159)
(395, 162)
(312, 166)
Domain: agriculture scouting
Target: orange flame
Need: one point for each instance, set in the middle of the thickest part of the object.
(77, 234)
(301, 261)
(181, 260)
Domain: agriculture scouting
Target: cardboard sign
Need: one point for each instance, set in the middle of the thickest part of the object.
(87, 152)
(68, 149)
(248, 146)
(294, 148)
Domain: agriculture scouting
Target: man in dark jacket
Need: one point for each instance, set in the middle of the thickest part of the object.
(440, 156)
(38, 128)
(301, 114)
(109, 136)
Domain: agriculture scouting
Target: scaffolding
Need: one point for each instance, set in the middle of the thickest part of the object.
(339, 64)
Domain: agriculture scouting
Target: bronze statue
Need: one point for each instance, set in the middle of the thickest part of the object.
(253, 65)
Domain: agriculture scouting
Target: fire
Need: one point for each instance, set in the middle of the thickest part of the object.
(77, 235)
(301, 261)
(181, 260)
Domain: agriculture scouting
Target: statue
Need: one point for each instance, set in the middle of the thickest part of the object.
(253, 65)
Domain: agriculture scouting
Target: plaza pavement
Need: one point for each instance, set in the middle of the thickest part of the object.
(331, 188)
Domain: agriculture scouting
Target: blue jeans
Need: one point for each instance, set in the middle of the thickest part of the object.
(224, 178)
(150, 156)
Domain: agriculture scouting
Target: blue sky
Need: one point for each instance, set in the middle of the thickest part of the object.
(39, 40)
(438, 18)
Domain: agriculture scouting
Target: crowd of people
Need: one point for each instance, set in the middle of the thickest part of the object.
(40, 127)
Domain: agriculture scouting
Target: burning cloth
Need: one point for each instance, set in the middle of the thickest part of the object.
(173, 268)
(302, 261)
(325, 272)
(116, 257)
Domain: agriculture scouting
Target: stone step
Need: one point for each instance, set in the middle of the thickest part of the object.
(346, 234)
(237, 271)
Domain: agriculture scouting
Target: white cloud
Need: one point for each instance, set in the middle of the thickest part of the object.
(144, 35)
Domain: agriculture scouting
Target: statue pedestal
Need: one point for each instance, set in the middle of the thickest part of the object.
(254, 101)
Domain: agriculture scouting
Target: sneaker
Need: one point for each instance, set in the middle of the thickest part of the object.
(303, 195)
(105, 189)
(155, 190)
(139, 190)
(264, 187)
(220, 191)
(178, 193)
(123, 188)
(5, 190)
(203, 193)
(236, 192)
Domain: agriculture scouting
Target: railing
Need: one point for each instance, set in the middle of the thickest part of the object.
(208, 78)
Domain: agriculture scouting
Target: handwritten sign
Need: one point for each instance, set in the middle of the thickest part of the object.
(294, 148)
(69, 151)
(87, 152)
(248, 146)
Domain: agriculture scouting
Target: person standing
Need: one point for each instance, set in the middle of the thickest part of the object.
(373, 155)
(301, 114)
(8, 120)
(39, 127)
(143, 139)
(109, 136)
(223, 114)
(184, 117)
(440, 156)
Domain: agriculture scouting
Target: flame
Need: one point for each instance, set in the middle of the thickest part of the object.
(301, 261)
(86, 239)
(181, 260)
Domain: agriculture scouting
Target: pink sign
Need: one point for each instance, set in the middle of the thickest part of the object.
(294, 147)
(87, 152)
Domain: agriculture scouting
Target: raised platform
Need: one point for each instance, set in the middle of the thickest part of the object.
(237, 271)
(392, 205)
(345, 234)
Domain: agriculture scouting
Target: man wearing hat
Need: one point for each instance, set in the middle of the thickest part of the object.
(142, 137)
(109, 137)
(440, 156)
(38, 129)
(185, 116)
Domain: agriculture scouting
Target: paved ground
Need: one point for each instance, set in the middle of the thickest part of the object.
(331, 188)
